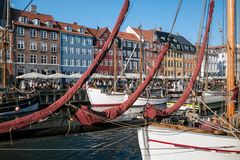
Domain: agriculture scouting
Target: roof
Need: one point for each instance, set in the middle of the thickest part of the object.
(30, 15)
(147, 34)
(127, 36)
(97, 32)
(74, 26)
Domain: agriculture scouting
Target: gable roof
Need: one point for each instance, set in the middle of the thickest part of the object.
(97, 32)
(75, 28)
(147, 34)
(43, 18)
(127, 36)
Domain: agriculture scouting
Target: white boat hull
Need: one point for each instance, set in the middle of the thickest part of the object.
(168, 144)
(102, 101)
(99, 99)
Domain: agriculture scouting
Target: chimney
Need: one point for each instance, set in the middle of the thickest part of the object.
(75, 23)
(159, 29)
(177, 34)
(33, 8)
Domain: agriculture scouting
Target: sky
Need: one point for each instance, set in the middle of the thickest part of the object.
(150, 14)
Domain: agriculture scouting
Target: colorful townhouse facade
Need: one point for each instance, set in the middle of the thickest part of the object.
(77, 50)
(130, 52)
(107, 66)
(36, 42)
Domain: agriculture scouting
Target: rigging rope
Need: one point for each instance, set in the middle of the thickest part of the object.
(34, 117)
(167, 112)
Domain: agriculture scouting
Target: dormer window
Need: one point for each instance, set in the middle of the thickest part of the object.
(68, 28)
(81, 30)
(36, 22)
(23, 19)
(49, 24)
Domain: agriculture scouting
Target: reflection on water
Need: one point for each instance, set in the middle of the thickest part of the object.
(109, 144)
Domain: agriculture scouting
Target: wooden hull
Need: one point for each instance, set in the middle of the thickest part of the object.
(158, 142)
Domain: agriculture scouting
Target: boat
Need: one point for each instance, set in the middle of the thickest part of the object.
(18, 103)
(211, 140)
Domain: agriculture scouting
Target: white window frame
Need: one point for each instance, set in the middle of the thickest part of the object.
(21, 58)
(43, 34)
(44, 59)
(21, 44)
(53, 59)
(20, 31)
(33, 33)
(53, 36)
(53, 48)
(44, 47)
(33, 58)
(33, 46)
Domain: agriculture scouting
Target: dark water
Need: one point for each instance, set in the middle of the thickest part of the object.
(119, 144)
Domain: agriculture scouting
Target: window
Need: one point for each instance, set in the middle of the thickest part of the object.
(20, 31)
(71, 39)
(53, 36)
(129, 44)
(36, 22)
(65, 49)
(78, 50)
(44, 59)
(110, 63)
(110, 52)
(83, 51)
(89, 52)
(20, 44)
(89, 41)
(53, 59)
(20, 58)
(83, 41)
(33, 58)
(89, 62)
(64, 37)
(71, 62)
(33, 46)
(23, 19)
(65, 62)
(49, 24)
(100, 42)
(44, 47)
(78, 63)
(33, 33)
(81, 30)
(53, 48)
(77, 39)
(44, 34)
(84, 63)
(68, 28)
(71, 50)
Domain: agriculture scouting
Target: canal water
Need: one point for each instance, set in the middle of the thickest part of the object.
(117, 144)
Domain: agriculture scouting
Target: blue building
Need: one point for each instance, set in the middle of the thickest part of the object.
(76, 48)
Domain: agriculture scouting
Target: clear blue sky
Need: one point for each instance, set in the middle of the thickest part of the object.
(151, 13)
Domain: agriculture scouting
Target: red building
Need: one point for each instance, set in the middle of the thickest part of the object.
(100, 37)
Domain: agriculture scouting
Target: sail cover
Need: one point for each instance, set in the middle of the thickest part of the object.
(26, 120)
(86, 116)
(150, 110)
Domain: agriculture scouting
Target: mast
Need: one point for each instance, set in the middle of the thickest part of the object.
(140, 54)
(115, 65)
(230, 55)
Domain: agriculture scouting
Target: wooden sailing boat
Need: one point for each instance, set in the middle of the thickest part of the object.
(165, 141)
